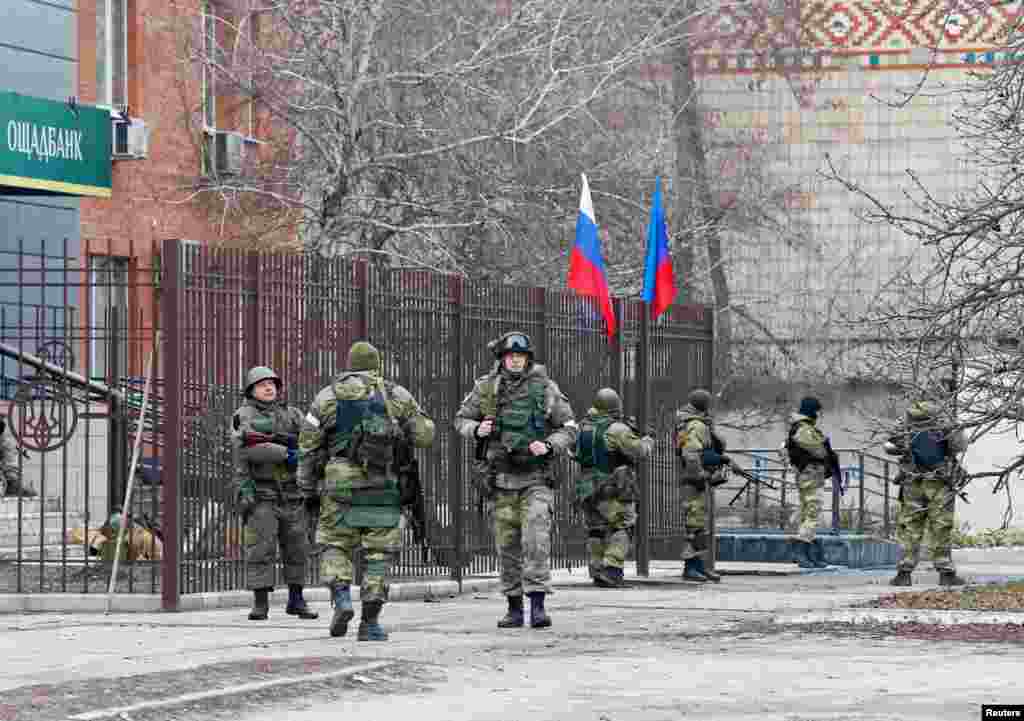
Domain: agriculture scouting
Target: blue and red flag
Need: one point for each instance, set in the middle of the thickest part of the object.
(659, 284)
(586, 267)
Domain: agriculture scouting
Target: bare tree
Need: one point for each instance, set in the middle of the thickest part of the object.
(947, 326)
(438, 134)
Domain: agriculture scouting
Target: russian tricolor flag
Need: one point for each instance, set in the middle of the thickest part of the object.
(586, 267)
(659, 285)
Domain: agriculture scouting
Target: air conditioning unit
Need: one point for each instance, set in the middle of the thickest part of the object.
(130, 139)
(229, 152)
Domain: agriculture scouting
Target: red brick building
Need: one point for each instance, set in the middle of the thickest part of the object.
(173, 123)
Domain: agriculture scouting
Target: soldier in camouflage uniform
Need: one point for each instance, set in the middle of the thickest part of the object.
(701, 453)
(10, 468)
(808, 450)
(928, 448)
(525, 420)
(265, 439)
(356, 423)
(607, 450)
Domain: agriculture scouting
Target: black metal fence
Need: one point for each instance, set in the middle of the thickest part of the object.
(225, 311)
(76, 327)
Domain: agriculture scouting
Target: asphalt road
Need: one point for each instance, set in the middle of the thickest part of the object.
(659, 650)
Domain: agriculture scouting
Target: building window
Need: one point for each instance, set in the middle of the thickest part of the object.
(112, 53)
(228, 82)
(108, 321)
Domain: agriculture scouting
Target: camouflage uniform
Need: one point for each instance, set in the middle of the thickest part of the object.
(355, 424)
(267, 494)
(527, 407)
(809, 452)
(10, 469)
(701, 464)
(927, 496)
(607, 450)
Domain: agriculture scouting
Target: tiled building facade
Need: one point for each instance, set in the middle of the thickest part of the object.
(871, 89)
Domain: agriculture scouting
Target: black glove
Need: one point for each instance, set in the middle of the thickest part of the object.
(246, 506)
(312, 505)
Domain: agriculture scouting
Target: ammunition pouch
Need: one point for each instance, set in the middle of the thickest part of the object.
(514, 460)
(621, 484)
(373, 445)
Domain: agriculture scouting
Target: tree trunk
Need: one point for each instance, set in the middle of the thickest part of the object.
(696, 204)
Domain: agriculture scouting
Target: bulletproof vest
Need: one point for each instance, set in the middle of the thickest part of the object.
(520, 421)
(798, 456)
(592, 446)
(364, 432)
(271, 421)
(928, 449)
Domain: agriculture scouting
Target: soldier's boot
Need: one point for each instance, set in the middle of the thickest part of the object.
(802, 554)
(609, 577)
(538, 616)
(949, 578)
(297, 604)
(902, 578)
(341, 599)
(708, 573)
(369, 626)
(514, 617)
(692, 570)
(260, 604)
(816, 553)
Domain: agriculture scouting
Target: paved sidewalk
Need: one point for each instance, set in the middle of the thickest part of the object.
(661, 649)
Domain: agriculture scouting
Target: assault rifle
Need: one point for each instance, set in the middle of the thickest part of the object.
(254, 438)
(834, 470)
(411, 494)
(750, 477)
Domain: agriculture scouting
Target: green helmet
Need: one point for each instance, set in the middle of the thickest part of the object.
(920, 411)
(362, 356)
(512, 342)
(700, 399)
(607, 401)
(260, 373)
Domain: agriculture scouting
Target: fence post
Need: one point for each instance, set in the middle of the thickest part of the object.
(363, 283)
(643, 540)
(117, 442)
(456, 483)
(616, 349)
(170, 321)
(711, 522)
(886, 528)
(860, 519)
(836, 484)
(251, 316)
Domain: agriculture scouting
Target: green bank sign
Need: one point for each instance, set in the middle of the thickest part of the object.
(48, 147)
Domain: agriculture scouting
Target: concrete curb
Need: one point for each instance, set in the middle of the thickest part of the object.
(152, 603)
(879, 615)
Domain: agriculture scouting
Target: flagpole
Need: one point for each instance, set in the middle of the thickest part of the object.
(643, 541)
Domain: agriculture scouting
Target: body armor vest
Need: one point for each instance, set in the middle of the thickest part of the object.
(520, 421)
(592, 447)
(799, 457)
(364, 432)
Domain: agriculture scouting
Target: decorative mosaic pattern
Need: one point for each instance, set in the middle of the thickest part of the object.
(873, 34)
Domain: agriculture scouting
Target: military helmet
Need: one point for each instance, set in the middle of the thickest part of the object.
(920, 411)
(607, 401)
(260, 373)
(512, 342)
(363, 356)
(700, 399)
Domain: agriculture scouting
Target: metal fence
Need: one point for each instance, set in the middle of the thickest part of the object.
(225, 311)
(76, 326)
(75, 323)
